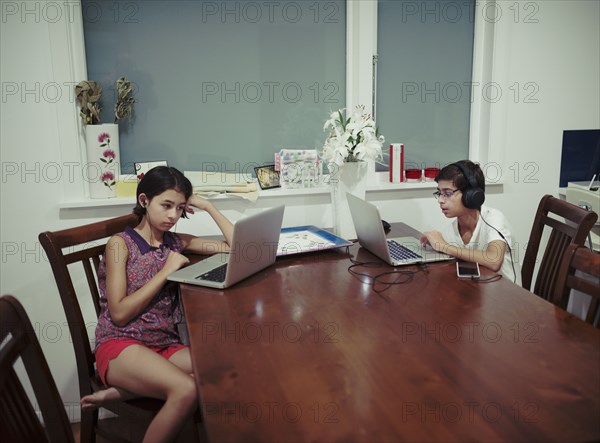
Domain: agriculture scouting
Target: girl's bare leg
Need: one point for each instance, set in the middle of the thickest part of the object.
(141, 371)
(182, 359)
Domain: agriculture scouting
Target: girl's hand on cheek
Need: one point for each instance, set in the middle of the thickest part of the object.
(175, 261)
(197, 202)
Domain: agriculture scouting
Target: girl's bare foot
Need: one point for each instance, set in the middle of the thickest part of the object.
(99, 398)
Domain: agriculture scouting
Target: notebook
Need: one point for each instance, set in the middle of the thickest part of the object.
(254, 247)
(394, 251)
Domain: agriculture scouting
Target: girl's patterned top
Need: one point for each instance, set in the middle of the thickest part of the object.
(156, 325)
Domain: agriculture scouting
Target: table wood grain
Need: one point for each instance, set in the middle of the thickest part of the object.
(306, 352)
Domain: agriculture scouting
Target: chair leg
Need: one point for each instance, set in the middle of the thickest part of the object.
(194, 430)
(200, 427)
(201, 432)
(89, 420)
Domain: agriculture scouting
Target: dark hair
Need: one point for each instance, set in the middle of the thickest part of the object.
(455, 175)
(158, 180)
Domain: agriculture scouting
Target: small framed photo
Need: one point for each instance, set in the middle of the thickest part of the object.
(142, 168)
(267, 176)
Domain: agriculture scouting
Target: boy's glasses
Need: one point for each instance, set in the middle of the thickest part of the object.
(447, 193)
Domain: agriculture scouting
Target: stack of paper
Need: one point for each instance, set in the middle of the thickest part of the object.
(210, 183)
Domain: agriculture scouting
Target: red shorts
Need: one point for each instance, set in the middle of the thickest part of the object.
(111, 349)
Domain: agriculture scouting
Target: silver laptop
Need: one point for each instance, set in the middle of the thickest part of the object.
(394, 251)
(254, 247)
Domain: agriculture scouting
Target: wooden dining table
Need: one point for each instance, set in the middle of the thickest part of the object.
(336, 346)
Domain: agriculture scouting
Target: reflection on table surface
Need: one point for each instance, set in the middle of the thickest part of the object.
(306, 351)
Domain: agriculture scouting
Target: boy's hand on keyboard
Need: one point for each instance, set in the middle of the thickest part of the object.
(434, 239)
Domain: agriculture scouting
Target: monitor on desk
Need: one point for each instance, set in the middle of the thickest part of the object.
(580, 158)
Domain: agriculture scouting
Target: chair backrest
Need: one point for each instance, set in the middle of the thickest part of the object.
(586, 261)
(18, 420)
(574, 230)
(85, 244)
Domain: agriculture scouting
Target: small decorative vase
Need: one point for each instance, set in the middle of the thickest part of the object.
(102, 168)
(349, 178)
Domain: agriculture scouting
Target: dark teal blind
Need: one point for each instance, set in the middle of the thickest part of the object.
(219, 85)
(424, 86)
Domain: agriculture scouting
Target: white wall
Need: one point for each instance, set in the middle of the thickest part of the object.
(558, 55)
(29, 189)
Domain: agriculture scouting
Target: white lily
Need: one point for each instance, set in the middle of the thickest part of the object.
(368, 149)
(355, 141)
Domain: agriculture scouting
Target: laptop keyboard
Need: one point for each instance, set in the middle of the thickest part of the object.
(216, 275)
(401, 253)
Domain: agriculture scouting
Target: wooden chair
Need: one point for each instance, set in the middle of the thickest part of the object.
(587, 261)
(18, 420)
(137, 411)
(574, 230)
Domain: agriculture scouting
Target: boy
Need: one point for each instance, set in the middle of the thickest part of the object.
(477, 233)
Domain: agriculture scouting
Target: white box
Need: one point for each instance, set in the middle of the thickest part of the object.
(396, 162)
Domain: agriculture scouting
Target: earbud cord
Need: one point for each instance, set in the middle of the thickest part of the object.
(149, 223)
(505, 241)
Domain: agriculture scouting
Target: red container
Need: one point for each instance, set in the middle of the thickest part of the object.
(431, 173)
(413, 174)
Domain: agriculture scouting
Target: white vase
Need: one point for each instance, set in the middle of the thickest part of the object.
(103, 159)
(348, 178)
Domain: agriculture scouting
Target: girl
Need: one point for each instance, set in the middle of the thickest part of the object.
(138, 351)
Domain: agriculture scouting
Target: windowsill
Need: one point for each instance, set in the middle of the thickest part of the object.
(377, 184)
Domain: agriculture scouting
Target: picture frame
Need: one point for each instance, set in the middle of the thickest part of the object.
(142, 167)
(267, 176)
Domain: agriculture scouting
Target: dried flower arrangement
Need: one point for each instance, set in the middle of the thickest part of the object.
(102, 141)
(88, 95)
(125, 101)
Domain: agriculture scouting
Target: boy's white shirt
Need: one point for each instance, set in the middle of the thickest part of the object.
(483, 234)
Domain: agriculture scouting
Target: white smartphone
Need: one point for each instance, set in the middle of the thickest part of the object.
(467, 269)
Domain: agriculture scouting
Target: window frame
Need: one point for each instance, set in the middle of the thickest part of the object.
(67, 43)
